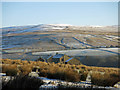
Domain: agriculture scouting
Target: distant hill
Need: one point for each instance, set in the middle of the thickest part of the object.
(50, 27)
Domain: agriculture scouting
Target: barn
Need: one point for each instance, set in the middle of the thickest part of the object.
(60, 58)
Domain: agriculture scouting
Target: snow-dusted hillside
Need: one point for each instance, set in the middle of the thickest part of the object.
(31, 41)
(52, 27)
(33, 28)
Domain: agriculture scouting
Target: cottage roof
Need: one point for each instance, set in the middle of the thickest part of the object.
(58, 56)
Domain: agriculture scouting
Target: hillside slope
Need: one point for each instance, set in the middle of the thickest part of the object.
(24, 42)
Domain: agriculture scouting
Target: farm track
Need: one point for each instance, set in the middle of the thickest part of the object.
(81, 42)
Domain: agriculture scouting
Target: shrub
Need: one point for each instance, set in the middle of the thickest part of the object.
(104, 79)
(25, 69)
(23, 83)
(10, 70)
(61, 73)
(84, 76)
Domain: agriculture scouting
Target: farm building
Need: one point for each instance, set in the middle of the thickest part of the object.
(60, 58)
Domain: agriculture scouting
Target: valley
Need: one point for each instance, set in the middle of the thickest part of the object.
(31, 42)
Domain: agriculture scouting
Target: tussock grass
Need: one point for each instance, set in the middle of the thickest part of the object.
(65, 72)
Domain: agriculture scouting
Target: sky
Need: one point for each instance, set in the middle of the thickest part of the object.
(73, 13)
